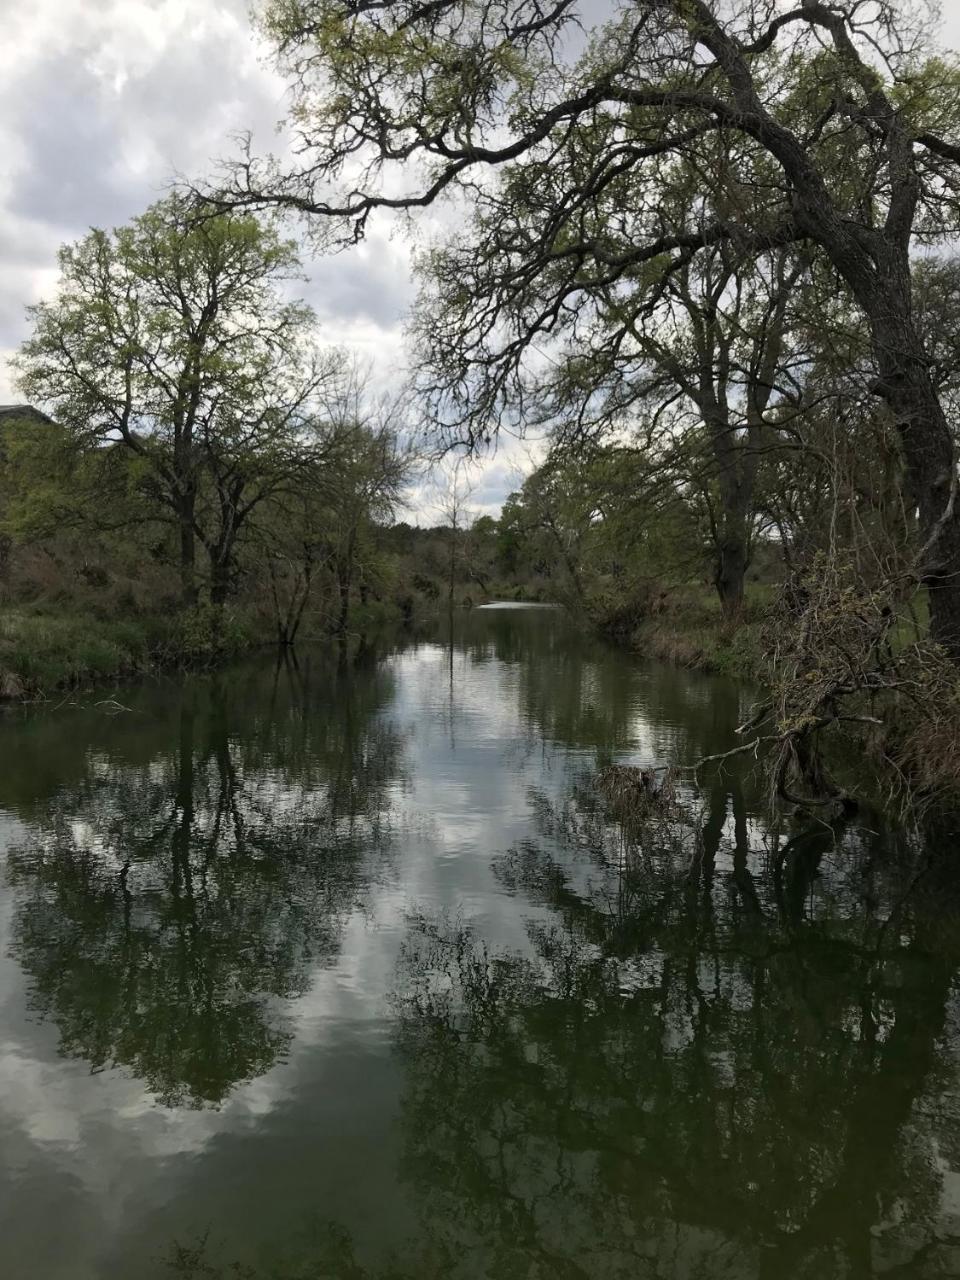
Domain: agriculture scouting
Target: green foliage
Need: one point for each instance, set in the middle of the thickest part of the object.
(208, 633)
(607, 527)
(44, 651)
(688, 630)
(171, 341)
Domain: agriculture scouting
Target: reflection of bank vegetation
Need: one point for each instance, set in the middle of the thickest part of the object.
(723, 1054)
(168, 909)
(696, 1070)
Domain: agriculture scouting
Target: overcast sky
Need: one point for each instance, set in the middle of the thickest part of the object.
(103, 101)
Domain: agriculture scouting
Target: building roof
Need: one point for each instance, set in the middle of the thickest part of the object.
(23, 411)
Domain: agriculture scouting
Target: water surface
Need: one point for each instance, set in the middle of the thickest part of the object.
(345, 970)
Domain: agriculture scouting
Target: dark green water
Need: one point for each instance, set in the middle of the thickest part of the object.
(345, 972)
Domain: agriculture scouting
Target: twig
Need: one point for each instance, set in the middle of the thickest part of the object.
(112, 706)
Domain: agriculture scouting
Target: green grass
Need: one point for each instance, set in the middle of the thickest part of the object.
(913, 624)
(43, 651)
(690, 631)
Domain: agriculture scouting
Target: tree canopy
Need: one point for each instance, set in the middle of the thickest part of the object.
(603, 159)
(173, 338)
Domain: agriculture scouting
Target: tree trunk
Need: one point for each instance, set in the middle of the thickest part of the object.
(185, 504)
(735, 476)
(344, 565)
(218, 594)
(731, 567)
(188, 561)
(219, 582)
(881, 282)
(905, 384)
(343, 586)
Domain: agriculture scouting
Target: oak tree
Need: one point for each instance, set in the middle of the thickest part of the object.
(173, 338)
(847, 113)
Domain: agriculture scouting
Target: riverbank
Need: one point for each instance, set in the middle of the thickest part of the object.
(689, 631)
(45, 651)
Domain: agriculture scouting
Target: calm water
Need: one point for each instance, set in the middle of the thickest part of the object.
(345, 971)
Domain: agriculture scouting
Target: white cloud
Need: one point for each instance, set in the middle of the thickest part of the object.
(102, 102)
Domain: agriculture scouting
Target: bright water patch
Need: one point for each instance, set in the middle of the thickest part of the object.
(517, 604)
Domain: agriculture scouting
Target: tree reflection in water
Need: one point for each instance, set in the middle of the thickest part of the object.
(720, 1058)
(694, 1072)
(717, 1053)
(169, 907)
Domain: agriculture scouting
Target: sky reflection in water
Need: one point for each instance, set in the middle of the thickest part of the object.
(345, 969)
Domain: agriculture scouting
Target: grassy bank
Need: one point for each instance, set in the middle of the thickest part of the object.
(44, 650)
(79, 612)
(689, 631)
(48, 649)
